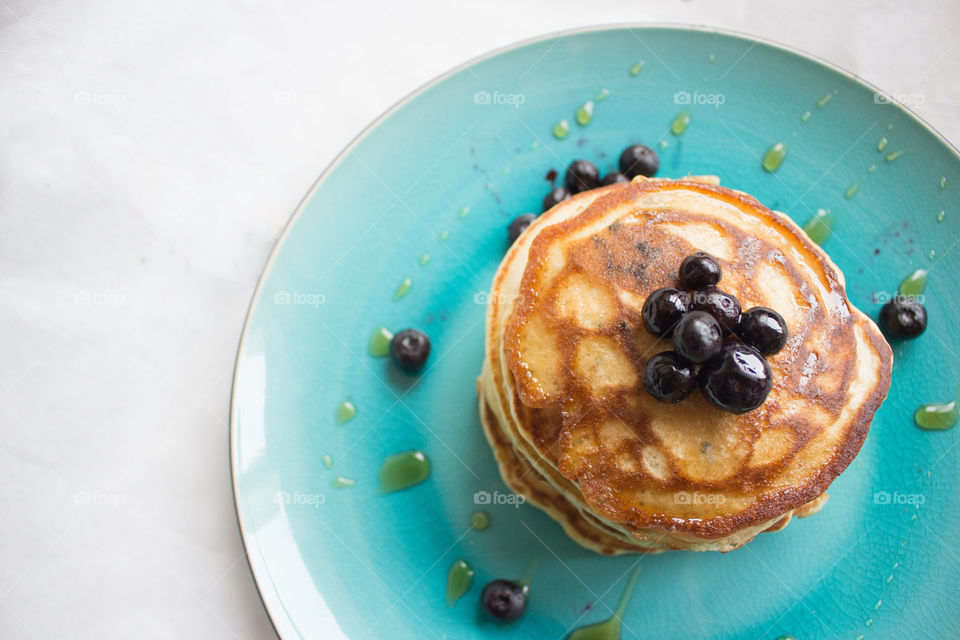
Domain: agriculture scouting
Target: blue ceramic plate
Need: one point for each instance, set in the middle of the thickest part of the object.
(442, 174)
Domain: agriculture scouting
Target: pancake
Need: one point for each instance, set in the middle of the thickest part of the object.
(561, 393)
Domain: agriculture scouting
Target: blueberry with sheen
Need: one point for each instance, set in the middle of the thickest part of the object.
(763, 329)
(697, 337)
(724, 308)
(738, 379)
(409, 350)
(663, 309)
(582, 175)
(556, 196)
(613, 178)
(518, 225)
(698, 271)
(504, 600)
(904, 317)
(639, 160)
(669, 378)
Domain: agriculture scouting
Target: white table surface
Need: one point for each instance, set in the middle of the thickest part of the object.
(149, 155)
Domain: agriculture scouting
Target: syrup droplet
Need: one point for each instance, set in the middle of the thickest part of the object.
(680, 123)
(585, 113)
(818, 227)
(403, 288)
(345, 412)
(379, 345)
(404, 470)
(774, 156)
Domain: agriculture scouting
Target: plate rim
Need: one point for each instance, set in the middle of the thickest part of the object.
(258, 570)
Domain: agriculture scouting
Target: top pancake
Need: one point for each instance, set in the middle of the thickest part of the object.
(575, 347)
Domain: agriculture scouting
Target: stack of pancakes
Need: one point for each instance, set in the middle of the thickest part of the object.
(561, 393)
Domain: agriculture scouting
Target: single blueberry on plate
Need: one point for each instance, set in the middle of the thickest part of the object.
(663, 309)
(556, 196)
(698, 271)
(518, 225)
(669, 378)
(724, 308)
(582, 175)
(639, 160)
(763, 329)
(697, 337)
(904, 317)
(613, 178)
(504, 600)
(738, 379)
(409, 350)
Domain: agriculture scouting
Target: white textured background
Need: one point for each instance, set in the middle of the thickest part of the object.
(149, 155)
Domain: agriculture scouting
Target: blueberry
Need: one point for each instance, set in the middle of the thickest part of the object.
(697, 337)
(698, 271)
(613, 178)
(582, 175)
(519, 225)
(738, 379)
(639, 160)
(556, 196)
(504, 600)
(409, 350)
(663, 309)
(763, 329)
(722, 306)
(904, 317)
(669, 378)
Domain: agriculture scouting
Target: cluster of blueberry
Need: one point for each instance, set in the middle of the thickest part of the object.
(582, 175)
(733, 375)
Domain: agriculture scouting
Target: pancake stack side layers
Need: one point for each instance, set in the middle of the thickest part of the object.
(562, 399)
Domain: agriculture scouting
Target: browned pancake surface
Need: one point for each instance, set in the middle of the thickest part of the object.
(576, 349)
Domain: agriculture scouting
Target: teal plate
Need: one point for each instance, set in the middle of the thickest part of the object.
(878, 562)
